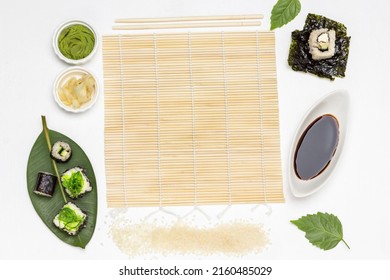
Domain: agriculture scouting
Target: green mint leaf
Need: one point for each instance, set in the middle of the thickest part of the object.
(283, 12)
(322, 230)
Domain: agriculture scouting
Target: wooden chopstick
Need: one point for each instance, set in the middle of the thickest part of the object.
(193, 18)
(186, 25)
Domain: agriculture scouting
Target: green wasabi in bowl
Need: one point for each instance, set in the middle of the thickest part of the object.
(76, 41)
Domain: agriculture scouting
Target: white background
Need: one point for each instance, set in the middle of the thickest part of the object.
(358, 192)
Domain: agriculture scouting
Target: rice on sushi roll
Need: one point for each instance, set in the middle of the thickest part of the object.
(75, 182)
(70, 219)
(61, 151)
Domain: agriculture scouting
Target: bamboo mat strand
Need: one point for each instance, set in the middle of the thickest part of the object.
(191, 119)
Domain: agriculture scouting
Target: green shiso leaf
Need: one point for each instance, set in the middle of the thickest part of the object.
(323, 230)
(283, 12)
(300, 58)
(48, 208)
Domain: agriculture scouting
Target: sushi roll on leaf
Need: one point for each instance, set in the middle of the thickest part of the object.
(45, 185)
(61, 151)
(70, 219)
(75, 182)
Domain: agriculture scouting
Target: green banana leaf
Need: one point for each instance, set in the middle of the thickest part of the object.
(47, 208)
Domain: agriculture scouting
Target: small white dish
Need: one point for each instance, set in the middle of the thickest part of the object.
(57, 33)
(63, 77)
(336, 104)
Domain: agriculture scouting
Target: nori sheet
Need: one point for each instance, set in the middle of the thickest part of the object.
(300, 58)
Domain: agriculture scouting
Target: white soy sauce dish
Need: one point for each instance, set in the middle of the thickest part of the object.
(318, 143)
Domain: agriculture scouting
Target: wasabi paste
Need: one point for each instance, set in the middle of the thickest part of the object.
(76, 41)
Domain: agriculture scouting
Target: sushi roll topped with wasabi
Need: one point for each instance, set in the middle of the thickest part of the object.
(61, 151)
(75, 182)
(70, 219)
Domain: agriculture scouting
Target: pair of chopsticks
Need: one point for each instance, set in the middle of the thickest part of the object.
(188, 22)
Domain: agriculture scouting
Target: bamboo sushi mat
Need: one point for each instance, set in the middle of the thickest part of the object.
(191, 119)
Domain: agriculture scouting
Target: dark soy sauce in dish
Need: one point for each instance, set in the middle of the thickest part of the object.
(316, 147)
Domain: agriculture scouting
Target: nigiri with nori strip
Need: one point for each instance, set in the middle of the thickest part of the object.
(76, 182)
(61, 151)
(45, 185)
(70, 219)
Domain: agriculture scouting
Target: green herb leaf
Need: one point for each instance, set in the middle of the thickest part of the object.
(283, 12)
(322, 230)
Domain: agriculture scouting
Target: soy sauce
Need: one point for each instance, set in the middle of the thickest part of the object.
(316, 147)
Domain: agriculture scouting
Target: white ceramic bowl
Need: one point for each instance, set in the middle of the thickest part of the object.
(336, 104)
(63, 77)
(57, 33)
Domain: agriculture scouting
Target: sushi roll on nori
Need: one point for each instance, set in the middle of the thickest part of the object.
(70, 219)
(45, 184)
(61, 151)
(75, 182)
(321, 48)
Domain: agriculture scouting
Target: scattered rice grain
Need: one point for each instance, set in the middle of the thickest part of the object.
(235, 238)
